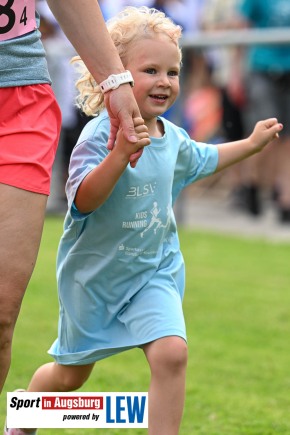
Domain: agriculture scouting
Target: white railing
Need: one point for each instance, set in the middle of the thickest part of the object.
(236, 37)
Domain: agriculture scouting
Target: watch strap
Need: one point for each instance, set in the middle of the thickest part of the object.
(115, 80)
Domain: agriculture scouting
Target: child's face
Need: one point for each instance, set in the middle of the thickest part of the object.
(155, 66)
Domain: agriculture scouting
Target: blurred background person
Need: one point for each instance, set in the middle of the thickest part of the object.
(175, 9)
(110, 8)
(185, 13)
(202, 104)
(58, 54)
(267, 93)
(227, 75)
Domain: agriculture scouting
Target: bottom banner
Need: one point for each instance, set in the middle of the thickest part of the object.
(77, 410)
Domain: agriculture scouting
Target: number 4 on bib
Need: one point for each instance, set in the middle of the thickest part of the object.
(17, 17)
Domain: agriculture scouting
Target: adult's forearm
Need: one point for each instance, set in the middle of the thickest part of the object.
(83, 23)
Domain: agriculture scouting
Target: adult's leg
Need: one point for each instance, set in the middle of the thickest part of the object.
(167, 358)
(21, 223)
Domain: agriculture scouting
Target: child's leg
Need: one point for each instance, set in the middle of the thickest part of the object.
(167, 358)
(54, 377)
(59, 378)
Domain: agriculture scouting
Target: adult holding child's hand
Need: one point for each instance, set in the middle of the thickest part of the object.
(122, 109)
(30, 123)
(78, 20)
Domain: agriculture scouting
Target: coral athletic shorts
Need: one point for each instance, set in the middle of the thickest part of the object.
(30, 122)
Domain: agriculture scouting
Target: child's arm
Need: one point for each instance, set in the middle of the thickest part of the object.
(100, 182)
(233, 152)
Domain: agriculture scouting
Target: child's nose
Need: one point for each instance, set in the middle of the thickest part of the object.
(164, 80)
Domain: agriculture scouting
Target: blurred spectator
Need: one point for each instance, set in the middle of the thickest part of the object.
(59, 51)
(220, 15)
(228, 76)
(193, 14)
(267, 87)
(202, 105)
(187, 14)
(175, 9)
(137, 3)
(110, 8)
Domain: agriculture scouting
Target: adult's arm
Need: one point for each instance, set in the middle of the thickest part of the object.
(83, 23)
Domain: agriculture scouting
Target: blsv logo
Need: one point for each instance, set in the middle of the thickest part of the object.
(125, 409)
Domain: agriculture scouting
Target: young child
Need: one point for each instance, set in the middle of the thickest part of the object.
(120, 270)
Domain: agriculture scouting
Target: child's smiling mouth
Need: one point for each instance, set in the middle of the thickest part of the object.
(159, 97)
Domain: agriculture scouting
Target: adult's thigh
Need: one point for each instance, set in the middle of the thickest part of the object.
(21, 223)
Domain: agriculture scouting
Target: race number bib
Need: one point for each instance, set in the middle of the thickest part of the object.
(17, 17)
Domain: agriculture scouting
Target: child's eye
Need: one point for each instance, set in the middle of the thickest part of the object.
(150, 71)
(173, 73)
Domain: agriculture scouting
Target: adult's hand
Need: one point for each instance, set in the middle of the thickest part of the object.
(122, 108)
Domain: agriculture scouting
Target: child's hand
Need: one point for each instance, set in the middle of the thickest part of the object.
(265, 132)
(140, 128)
(133, 151)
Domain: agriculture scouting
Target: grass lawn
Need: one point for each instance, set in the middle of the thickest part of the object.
(237, 313)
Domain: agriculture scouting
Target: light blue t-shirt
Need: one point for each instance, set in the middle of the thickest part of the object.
(265, 14)
(120, 270)
(22, 60)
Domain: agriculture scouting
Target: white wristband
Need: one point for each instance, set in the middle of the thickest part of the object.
(115, 80)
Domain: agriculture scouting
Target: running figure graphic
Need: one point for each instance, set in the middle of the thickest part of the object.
(154, 220)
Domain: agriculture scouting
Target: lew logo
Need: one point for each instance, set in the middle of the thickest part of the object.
(125, 409)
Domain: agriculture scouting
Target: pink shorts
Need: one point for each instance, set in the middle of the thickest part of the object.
(30, 122)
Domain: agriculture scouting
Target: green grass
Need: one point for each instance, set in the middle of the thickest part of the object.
(237, 313)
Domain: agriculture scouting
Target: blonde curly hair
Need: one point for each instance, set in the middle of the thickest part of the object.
(129, 25)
